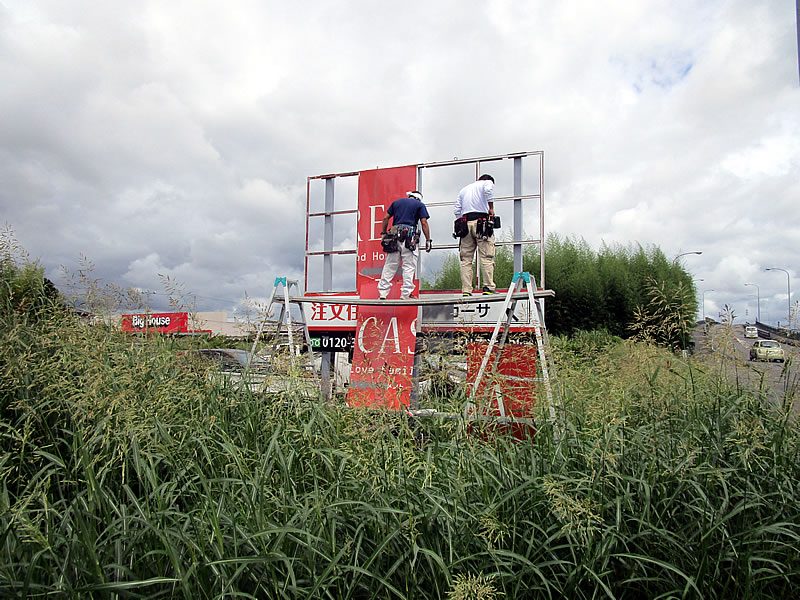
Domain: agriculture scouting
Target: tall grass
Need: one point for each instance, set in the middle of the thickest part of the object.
(124, 475)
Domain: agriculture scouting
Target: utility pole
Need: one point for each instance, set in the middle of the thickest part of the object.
(788, 290)
(704, 305)
(758, 293)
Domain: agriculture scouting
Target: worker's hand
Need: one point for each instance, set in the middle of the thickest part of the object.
(428, 245)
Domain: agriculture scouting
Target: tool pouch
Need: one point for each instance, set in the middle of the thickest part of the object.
(460, 227)
(389, 242)
(484, 229)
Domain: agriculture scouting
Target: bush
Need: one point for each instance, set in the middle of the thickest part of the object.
(610, 289)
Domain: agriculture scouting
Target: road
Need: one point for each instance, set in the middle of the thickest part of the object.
(780, 381)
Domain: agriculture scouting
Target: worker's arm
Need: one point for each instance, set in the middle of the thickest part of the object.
(425, 229)
(385, 224)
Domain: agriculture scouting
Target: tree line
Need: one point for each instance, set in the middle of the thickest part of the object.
(629, 290)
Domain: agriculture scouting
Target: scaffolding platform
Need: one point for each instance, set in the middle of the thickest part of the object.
(424, 300)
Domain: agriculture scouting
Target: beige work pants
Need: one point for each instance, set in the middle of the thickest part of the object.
(466, 250)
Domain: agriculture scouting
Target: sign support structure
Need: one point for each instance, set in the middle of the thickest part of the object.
(495, 350)
(385, 356)
(284, 319)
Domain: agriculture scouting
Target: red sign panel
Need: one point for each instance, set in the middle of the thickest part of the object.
(176, 322)
(510, 391)
(377, 189)
(383, 356)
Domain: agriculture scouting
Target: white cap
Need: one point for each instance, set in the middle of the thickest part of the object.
(415, 194)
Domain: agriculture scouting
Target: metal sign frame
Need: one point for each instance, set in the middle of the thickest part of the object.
(330, 212)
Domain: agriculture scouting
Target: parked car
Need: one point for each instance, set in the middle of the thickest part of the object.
(232, 365)
(263, 374)
(751, 331)
(231, 360)
(768, 350)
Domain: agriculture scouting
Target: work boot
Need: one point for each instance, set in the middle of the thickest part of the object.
(487, 291)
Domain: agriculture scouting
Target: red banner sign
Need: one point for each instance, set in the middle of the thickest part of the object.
(176, 322)
(510, 392)
(377, 189)
(383, 356)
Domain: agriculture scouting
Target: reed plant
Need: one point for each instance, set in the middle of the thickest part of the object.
(123, 474)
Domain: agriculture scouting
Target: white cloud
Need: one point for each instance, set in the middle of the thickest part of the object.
(770, 157)
(177, 137)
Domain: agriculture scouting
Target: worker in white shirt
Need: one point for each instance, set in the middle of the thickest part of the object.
(474, 210)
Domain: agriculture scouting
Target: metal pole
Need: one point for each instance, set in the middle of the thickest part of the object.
(327, 237)
(704, 304)
(413, 400)
(541, 224)
(476, 261)
(758, 297)
(518, 215)
(789, 300)
(327, 283)
(789, 293)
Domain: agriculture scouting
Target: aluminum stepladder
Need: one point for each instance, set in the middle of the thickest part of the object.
(285, 318)
(504, 323)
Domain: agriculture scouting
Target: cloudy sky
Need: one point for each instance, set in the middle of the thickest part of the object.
(174, 139)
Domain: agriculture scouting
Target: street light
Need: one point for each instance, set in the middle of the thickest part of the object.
(704, 304)
(674, 260)
(788, 291)
(758, 296)
(694, 281)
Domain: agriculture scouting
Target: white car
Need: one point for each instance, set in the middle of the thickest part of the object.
(751, 332)
(768, 350)
(259, 374)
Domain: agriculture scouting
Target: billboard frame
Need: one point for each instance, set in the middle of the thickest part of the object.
(330, 212)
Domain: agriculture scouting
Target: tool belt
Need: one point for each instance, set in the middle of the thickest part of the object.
(484, 228)
(400, 234)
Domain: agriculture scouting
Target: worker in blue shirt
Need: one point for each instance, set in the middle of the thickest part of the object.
(400, 242)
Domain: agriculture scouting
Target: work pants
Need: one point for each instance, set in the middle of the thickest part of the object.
(393, 260)
(466, 250)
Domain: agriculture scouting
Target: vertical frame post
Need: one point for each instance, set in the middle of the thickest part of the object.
(541, 225)
(413, 403)
(518, 215)
(327, 280)
(327, 239)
